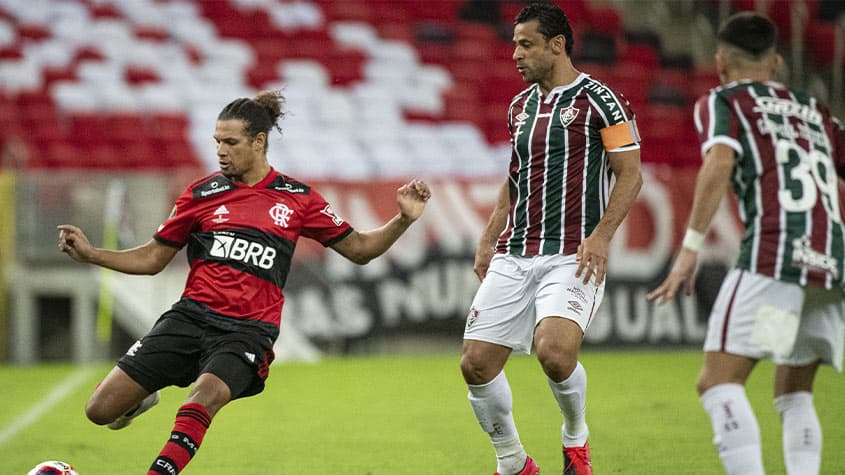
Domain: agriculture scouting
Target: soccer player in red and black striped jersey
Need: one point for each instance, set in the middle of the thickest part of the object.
(240, 226)
(543, 255)
(783, 152)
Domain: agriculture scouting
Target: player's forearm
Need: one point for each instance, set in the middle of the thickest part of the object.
(710, 187)
(138, 261)
(367, 245)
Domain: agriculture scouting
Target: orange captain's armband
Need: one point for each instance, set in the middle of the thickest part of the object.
(619, 135)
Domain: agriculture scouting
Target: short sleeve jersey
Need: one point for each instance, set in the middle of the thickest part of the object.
(559, 169)
(241, 240)
(788, 149)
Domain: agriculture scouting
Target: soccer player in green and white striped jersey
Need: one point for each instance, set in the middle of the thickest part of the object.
(550, 232)
(782, 151)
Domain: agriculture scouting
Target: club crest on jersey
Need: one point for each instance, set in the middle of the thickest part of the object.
(568, 115)
(281, 214)
(220, 214)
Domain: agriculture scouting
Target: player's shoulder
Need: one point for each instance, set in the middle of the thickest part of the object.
(286, 184)
(605, 101)
(524, 94)
(208, 186)
(598, 88)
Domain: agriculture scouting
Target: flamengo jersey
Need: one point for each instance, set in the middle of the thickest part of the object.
(559, 170)
(241, 239)
(788, 151)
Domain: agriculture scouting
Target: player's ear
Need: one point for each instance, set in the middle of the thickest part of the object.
(558, 44)
(721, 64)
(259, 141)
(777, 64)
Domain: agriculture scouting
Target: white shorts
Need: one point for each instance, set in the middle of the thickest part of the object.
(518, 292)
(763, 318)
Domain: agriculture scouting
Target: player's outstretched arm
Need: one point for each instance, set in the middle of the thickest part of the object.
(149, 258)
(710, 186)
(361, 247)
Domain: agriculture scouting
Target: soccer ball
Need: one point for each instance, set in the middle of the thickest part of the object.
(53, 467)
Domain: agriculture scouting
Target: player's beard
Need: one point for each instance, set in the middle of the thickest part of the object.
(537, 73)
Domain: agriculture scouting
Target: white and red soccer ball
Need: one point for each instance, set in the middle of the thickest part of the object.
(53, 467)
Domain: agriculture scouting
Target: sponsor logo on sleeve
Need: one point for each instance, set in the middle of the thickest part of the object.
(337, 220)
(212, 187)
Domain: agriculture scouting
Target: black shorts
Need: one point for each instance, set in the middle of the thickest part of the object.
(180, 347)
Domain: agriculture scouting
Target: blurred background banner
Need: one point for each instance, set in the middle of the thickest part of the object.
(377, 91)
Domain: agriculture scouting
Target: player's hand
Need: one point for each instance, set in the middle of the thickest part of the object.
(483, 256)
(74, 243)
(411, 198)
(682, 273)
(592, 258)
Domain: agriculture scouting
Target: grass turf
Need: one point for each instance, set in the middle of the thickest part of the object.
(408, 415)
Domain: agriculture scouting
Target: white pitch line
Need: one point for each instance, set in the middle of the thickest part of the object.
(57, 395)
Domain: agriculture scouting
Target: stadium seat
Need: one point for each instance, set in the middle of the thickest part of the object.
(372, 70)
(821, 36)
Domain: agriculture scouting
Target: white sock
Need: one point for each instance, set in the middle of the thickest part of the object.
(802, 433)
(492, 404)
(735, 431)
(571, 396)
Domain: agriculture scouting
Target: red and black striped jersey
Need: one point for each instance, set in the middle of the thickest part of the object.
(241, 240)
(559, 169)
(788, 149)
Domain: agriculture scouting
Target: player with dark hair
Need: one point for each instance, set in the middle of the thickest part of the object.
(782, 151)
(543, 256)
(241, 226)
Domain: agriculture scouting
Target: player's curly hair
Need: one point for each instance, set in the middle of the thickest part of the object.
(552, 21)
(260, 114)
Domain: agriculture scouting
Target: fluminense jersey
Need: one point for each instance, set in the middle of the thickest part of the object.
(241, 240)
(559, 169)
(788, 150)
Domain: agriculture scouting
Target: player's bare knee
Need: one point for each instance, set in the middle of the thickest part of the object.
(475, 371)
(558, 367)
(557, 362)
(706, 382)
(98, 414)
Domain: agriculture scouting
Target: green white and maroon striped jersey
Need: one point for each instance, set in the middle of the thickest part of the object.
(559, 170)
(788, 149)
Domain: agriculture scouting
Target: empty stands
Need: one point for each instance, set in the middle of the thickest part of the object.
(375, 88)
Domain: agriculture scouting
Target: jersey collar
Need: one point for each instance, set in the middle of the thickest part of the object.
(556, 92)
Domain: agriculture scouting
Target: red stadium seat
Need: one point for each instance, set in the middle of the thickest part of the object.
(396, 31)
(605, 19)
(105, 11)
(821, 37)
(33, 32)
(641, 54)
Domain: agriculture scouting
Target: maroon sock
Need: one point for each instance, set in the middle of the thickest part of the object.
(192, 420)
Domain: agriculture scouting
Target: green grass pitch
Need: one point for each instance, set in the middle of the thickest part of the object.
(405, 415)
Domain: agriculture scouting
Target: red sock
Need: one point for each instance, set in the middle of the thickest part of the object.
(192, 420)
